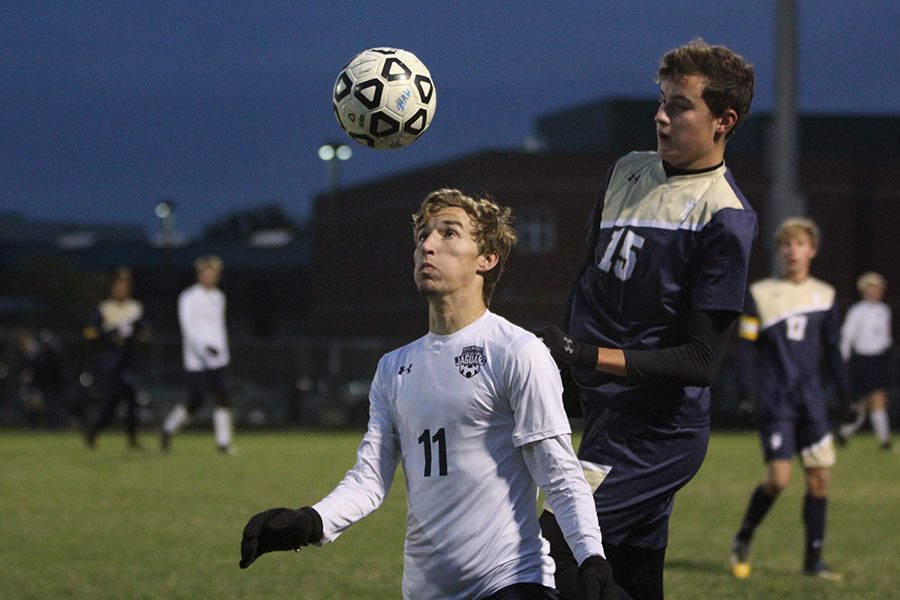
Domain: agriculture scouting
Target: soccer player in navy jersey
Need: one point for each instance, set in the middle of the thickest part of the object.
(651, 312)
(473, 412)
(793, 323)
(117, 325)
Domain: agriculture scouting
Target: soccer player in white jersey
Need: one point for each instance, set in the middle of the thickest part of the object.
(473, 412)
(790, 326)
(866, 341)
(204, 341)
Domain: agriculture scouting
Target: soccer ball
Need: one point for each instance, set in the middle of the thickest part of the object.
(384, 98)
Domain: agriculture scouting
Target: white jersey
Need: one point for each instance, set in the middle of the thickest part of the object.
(866, 330)
(201, 314)
(457, 411)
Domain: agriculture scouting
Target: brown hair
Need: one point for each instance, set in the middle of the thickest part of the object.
(729, 75)
(493, 230)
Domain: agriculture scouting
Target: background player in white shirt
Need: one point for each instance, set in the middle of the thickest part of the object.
(473, 412)
(866, 342)
(204, 339)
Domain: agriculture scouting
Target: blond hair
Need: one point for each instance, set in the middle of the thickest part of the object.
(870, 278)
(492, 228)
(793, 226)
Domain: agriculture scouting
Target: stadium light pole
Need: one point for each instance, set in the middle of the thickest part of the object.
(785, 199)
(334, 153)
(165, 210)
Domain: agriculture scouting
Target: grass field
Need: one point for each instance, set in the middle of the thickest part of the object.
(113, 523)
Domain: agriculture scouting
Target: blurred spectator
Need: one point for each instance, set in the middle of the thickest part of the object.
(32, 403)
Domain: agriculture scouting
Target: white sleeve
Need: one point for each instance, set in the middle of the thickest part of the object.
(555, 468)
(888, 325)
(188, 325)
(365, 486)
(535, 392)
(848, 330)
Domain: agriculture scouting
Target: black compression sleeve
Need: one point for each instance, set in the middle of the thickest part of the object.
(692, 363)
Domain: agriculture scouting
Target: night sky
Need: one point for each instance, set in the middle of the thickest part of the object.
(107, 107)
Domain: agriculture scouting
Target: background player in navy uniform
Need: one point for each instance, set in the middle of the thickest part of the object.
(652, 309)
(793, 323)
(866, 341)
(117, 324)
(473, 411)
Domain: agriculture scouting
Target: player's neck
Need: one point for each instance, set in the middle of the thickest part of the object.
(448, 314)
(797, 277)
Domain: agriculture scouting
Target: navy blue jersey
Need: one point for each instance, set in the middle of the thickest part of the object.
(662, 247)
(795, 327)
(659, 248)
(117, 325)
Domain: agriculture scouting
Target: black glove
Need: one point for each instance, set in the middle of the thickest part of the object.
(595, 576)
(568, 350)
(746, 409)
(279, 529)
(849, 412)
(212, 351)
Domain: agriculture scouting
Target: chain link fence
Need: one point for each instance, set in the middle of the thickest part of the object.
(273, 382)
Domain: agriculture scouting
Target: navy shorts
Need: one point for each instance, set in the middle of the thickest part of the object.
(869, 373)
(524, 591)
(783, 439)
(201, 383)
(648, 464)
(796, 423)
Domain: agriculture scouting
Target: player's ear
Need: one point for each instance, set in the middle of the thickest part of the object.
(488, 261)
(727, 121)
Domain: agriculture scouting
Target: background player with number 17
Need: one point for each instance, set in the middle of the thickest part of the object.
(652, 309)
(792, 323)
(473, 411)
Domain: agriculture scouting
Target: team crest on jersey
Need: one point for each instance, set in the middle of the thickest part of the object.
(470, 361)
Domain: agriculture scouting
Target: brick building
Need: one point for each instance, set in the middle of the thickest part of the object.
(362, 242)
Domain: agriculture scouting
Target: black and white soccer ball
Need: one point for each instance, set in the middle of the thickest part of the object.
(384, 98)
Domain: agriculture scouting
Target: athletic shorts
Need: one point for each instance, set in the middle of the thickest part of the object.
(796, 423)
(201, 383)
(869, 373)
(811, 440)
(645, 466)
(524, 591)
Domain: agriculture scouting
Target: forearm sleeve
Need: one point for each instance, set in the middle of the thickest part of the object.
(692, 363)
(365, 486)
(556, 470)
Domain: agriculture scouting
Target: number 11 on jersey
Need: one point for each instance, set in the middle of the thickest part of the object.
(439, 438)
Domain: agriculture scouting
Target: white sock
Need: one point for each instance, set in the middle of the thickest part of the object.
(881, 425)
(222, 426)
(178, 417)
